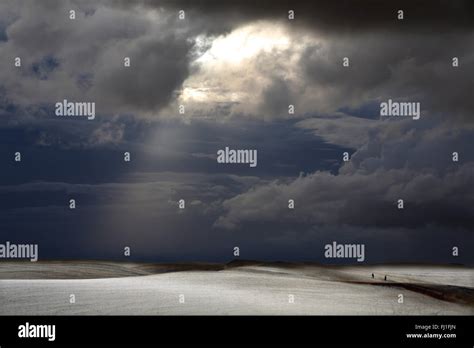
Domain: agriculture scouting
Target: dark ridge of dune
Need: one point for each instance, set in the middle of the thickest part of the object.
(449, 293)
(294, 264)
(71, 269)
(93, 269)
(282, 264)
(243, 263)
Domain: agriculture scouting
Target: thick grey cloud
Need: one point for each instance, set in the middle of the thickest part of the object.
(398, 60)
(89, 55)
(415, 67)
(397, 162)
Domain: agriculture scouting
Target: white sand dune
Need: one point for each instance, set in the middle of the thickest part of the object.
(239, 290)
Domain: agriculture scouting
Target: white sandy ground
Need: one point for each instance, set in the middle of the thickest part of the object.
(246, 290)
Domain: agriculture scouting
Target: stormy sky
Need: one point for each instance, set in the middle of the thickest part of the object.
(235, 66)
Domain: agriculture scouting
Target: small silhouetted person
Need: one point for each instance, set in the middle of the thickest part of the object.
(385, 278)
(372, 276)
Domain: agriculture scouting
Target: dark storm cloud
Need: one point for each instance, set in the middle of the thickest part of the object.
(399, 66)
(397, 162)
(414, 67)
(88, 55)
(389, 58)
(166, 65)
(344, 16)
(386, 58)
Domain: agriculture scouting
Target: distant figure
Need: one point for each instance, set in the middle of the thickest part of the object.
(372, 276)
(385, 278)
